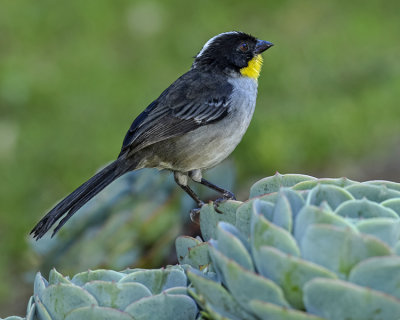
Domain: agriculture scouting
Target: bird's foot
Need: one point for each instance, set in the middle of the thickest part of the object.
(227, 195)
(195, 213)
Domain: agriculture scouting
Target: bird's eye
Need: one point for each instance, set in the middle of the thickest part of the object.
(244, 47)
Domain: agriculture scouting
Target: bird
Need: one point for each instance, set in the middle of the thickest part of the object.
(192, 126)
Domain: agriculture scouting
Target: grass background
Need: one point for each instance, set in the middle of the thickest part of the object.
(74, 74)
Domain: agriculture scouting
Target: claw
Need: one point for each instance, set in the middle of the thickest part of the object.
(195, 213)
(217, 202)
(226, 196)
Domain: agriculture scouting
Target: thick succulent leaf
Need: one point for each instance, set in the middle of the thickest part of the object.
(264, 208)
(233, 248)
(338, 300)
(129, 271)
(279, 213)
(41, 311)
(55, 277)
(209, 312)
(214, 264)
(267, 311)
(295, 199)
(310, 215)
(382, 274)
(61, 299)
(326, 207)
(387, 184)
(184, 243)
(364, 209)
(332, 194)
(245, 285)
(97, 313)
(308, 185)
(13, 318)
(243, 216)
(270, 197)
(177, 290)
(209, 218)
(106, 275)
(372, 192)
(116, 295)
(163, 307)
(198, 256)
(282, 214)
(339, 249)
(192, 252)
(245, 210)
(289, 272)
(393, 204)
(212, 293)
(39, 285)
(265, 233)
(210, 275)
(274, 183)
(235, 232)
(158, 280)
(385, 229)
(31, 309)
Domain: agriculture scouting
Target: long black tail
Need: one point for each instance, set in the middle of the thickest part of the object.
(73, 202)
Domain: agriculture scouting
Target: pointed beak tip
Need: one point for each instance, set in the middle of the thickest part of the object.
(263, 45)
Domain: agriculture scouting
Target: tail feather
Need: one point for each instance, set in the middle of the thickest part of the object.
(73, 202)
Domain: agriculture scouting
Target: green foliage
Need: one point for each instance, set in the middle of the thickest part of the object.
(305, 251)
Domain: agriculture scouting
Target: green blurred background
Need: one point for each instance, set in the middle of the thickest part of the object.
(74, 74)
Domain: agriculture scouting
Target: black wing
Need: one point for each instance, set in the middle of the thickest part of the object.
(194, 100)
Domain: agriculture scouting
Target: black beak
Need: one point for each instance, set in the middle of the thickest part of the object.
(262, 45)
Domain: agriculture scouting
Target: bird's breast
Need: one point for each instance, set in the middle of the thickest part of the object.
(210, 144)
(243, 102)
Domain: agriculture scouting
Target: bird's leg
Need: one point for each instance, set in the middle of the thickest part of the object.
(181, 180)
(226, 195)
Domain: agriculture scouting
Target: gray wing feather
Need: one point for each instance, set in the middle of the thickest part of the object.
(205, 112)
(192, 101)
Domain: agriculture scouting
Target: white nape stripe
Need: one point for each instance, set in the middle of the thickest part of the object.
(208, 43)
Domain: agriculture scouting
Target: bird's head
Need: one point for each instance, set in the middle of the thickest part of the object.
(233, 52)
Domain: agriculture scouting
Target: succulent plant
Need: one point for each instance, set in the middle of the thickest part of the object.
(300, 248)
(110, 295)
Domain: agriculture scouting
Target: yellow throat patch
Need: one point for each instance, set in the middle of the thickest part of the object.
(253, 68)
